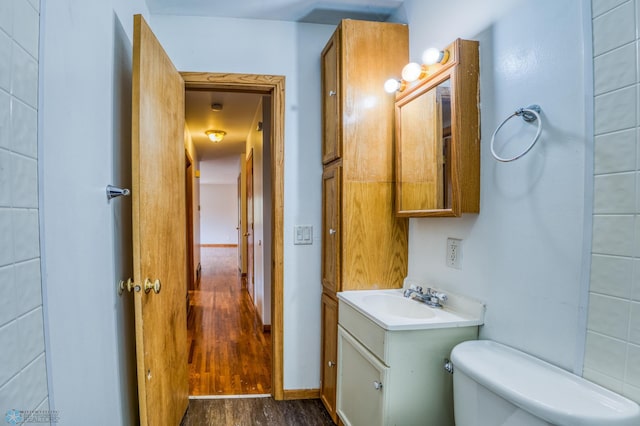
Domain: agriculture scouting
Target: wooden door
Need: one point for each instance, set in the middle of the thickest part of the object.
(249, 233)
(331, 96)
(239, 227)
(329, 345)
(331, 211)
(159, 222)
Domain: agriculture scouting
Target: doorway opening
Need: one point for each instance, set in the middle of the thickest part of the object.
(255, 307)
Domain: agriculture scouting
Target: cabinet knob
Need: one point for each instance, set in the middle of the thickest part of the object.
(377, 385)
(332, 93)
(332, 231)
(331, 363)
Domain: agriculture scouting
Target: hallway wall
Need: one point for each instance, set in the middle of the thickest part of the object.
(23, 374)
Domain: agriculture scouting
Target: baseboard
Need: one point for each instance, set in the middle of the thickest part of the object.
(290, 394)
(218, 245)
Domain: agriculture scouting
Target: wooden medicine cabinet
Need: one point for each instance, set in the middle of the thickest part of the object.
(438, 138)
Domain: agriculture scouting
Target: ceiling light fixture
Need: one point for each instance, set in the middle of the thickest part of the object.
(215, 135)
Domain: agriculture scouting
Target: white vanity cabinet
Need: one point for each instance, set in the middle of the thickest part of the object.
(394, 377)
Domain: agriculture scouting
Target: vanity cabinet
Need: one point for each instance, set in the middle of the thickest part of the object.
(394, 377)
(364, 245)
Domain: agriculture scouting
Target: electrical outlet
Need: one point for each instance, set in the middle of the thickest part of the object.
(454, 253)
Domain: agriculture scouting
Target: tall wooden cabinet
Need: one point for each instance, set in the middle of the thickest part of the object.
(364, 245)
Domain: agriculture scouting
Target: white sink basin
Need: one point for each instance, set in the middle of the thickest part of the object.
(398, 306)
(392, 311)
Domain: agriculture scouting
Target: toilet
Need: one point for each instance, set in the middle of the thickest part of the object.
(495, 385)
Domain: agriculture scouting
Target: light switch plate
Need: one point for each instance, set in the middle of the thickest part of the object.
(303, 234)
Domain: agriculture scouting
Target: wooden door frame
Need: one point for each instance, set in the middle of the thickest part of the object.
(191, 280)
(274, 86)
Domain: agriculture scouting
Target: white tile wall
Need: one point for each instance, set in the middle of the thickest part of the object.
(612, 354)
(23, 376)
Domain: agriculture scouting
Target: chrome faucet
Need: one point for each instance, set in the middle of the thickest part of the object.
(430, 297)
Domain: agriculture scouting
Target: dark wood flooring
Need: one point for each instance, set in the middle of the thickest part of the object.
(229, 354)
(256, 412)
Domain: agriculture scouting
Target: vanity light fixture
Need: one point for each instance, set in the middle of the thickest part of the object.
(394, 85)
(215, 135)
(433, 56)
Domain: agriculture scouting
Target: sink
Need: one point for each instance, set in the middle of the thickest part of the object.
(392, 311)
(398, 306)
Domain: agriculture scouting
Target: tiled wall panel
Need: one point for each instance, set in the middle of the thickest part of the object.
(612, 356)
(23, 376)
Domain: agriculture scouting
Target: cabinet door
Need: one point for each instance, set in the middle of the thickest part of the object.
(331, 240)
(362, 383)
(329, 354)
(331, 100)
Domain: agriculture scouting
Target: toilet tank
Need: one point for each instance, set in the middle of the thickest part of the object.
(494, 384)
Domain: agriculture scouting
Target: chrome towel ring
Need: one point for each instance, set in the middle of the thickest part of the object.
(528, 114)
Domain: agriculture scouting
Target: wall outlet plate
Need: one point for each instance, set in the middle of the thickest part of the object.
(454, 253)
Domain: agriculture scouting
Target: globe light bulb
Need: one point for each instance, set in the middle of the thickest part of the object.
(392, 85)
(432, 56)
(411, 72)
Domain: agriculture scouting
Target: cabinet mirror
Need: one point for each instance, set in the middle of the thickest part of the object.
(437, 140)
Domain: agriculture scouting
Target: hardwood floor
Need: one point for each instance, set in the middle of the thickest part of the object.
(229, 354)
(255, 412)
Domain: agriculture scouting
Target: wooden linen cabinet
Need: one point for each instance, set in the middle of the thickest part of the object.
(364, 245)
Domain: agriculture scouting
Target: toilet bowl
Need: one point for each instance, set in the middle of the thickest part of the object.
(495, 385)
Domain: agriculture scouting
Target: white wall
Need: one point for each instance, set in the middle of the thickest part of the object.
(85, 133)
(525, 254)
(219, 213)
(292, 50)
(23, 375)
(612, 356)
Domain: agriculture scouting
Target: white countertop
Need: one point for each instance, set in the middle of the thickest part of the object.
(392, 311)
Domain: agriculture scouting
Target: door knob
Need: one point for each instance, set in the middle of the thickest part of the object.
(127, 285)
(130, 286)
(331, 363)
(155, 286)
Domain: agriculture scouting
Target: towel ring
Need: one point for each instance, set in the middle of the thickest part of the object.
(528, 114)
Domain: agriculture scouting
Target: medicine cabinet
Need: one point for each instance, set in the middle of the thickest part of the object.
(438, 138)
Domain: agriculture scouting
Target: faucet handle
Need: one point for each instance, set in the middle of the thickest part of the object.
(416, 288)
(442, 297)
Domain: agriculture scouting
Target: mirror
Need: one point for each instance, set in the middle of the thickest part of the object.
(424, 150)
(437, 139)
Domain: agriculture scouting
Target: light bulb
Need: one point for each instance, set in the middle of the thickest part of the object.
(433, 56)
(411, 72)
(392, 85)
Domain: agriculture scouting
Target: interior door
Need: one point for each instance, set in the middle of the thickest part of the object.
(239, 227)
(249, 233)
(159, 223)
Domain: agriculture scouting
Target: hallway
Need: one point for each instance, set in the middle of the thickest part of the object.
(229, 354)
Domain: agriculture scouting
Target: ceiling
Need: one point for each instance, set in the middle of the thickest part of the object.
(313, 11)
(239, 108)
